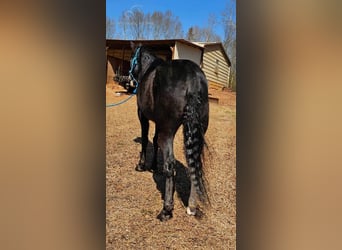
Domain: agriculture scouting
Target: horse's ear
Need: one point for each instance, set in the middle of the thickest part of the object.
(132, 45)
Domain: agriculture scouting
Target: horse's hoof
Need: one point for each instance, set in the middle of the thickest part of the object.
(155, 170)
(190, 211)
(140, 168)
(164, 215)
(196, 212)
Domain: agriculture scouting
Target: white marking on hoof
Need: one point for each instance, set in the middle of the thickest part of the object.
(189, 212)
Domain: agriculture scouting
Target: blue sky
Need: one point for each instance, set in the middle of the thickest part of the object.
(190, 12)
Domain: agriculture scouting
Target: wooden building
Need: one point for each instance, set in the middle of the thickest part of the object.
(210, 56)
(216, 65)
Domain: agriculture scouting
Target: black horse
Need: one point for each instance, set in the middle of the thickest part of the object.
(171, 94)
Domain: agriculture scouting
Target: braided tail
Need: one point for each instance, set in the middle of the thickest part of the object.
(194, 142)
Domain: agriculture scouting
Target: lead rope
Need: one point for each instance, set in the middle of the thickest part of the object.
(133, 63)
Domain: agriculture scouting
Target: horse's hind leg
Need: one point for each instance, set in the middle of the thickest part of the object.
(191, 209)
(166, 146)
(154, 166)
(144, 141)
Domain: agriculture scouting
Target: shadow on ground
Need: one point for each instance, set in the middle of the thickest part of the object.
(182, 182)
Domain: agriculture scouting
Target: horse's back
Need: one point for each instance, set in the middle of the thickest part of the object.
(181, 75)
(174, 82)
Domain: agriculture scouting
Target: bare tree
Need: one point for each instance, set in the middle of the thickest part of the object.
(124, 24)
(205, 34)
(110, 28)
(156, 25)
(138, 25)
(197, 34)
(194, 34)
(177, 29)
(229, 41)
(190, 34)
(133, 24)
(208, 31)
(171, 26)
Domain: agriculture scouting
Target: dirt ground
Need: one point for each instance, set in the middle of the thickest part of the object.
(134, 199)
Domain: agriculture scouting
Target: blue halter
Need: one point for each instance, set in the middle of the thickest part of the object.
(134, 62)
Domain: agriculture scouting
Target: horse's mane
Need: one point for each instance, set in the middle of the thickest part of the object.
(156, 61)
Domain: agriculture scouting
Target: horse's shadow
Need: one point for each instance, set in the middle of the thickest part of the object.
(182, 182)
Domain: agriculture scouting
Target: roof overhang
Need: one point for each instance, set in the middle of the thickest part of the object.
(126, 44)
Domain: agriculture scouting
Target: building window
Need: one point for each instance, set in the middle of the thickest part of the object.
(217, 67)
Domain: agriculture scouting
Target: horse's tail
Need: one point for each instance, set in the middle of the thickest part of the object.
(194, 142)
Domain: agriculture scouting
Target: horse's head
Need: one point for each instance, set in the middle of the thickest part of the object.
(140, 62)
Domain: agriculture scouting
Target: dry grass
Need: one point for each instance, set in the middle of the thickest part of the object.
(134, 198)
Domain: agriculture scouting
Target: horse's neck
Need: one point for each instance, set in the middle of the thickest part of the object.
(150, 65)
